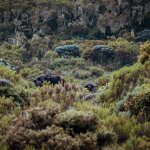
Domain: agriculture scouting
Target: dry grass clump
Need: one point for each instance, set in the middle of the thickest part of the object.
(65, 96)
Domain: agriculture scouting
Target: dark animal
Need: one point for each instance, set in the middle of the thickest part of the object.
(39, 80)
(90, 87)
(53, 79)
(37, 83)
(42, 78)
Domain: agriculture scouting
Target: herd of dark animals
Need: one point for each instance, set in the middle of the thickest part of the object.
(53, 79)
(56, 79)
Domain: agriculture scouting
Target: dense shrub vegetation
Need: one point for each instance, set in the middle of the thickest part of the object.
(117, 53)
(145, 52)
(74, 75)
(62, 117)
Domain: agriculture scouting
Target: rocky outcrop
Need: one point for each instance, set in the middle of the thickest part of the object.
(74, 18)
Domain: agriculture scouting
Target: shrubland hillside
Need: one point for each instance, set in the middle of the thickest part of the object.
(74, 75)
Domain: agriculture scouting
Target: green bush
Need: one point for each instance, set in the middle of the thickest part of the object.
(30, 73)
(139, 104)
(51, 137)
(124, 81)
(144, 52)
(17, 89)
(6, 105)
(33, 128)
(67, 63)
(51, 55)
(86, 141)
(8, 74)
(137, 143)
(96, 71)
(102, 81)
(82, 74)
(125, 52)
(121, 126)
(105, 138)
(101, 54)
(77, 121)
(11, 54)
(142, 130)
(68, 50)
(49, 128)
(117, 53)
(38, 118)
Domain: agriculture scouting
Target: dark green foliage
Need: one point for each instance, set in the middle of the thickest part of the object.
(116, 54)
(120, 106)
(137, 143)
(4, 63)
(6, 29)
(20, 96)
(101, 54)
(68, 50)
(105, 138)
(7, 4)
(121, 127)
(11, 87)
(125, 52)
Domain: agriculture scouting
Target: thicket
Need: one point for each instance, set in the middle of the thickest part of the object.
(68, 50)
(116, 53)
(59, 117)
(127, 78)
(129, 88)
(144, 52)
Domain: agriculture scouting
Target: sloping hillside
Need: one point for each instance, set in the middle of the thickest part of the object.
(74, 75)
